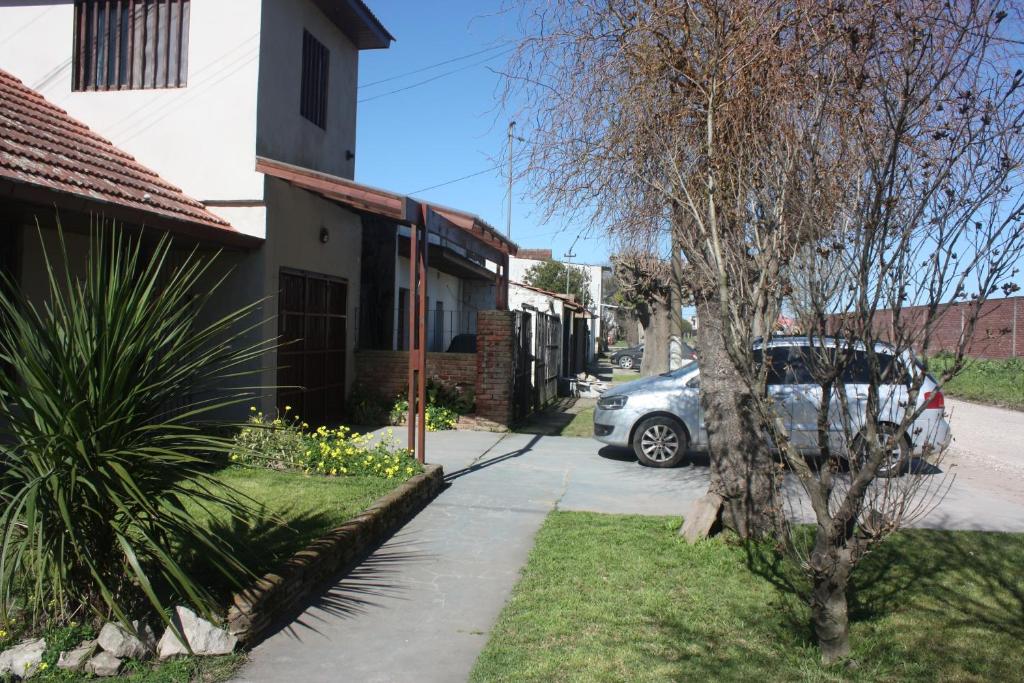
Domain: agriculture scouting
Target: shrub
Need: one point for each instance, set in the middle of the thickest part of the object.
(283, 443)
(366, 407)
(445, 403)
(98, 469)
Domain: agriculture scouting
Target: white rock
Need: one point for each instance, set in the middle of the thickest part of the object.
(23, 660)
(123, 644)
(701, 518)
(74, 660)
(202, 636)
(104, 664)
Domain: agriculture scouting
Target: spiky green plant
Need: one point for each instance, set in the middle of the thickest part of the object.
(97, 465)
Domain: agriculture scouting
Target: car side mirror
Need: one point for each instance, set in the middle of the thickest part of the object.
(694, 383)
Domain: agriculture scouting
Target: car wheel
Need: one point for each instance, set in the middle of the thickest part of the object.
(626, 362)
(897, 457)
(660, 442)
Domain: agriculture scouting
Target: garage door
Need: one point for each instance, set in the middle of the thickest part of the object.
(312, 324)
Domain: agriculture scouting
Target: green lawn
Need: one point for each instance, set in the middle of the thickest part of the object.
(293, 509)
(999, 382)
(582, 424)
(623, 598)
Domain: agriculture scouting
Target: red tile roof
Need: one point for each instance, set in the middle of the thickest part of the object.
(41, 146)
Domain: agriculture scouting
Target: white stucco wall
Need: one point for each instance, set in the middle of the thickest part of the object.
(201, 137)
(449, 290)
(518, 297)
(282, 132)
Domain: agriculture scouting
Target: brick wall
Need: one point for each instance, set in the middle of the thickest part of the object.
(997, 333)
(494, 365)
(387, 372)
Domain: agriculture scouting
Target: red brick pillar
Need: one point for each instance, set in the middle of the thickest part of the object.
(495, 344)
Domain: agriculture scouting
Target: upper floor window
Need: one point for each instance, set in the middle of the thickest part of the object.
(131, 44)
(315, 61)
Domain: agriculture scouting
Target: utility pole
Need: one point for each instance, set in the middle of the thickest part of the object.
(511, 137)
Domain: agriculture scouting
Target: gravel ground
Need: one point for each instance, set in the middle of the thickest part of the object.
(988, 448)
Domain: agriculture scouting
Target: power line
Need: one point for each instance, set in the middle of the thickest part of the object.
(456, 180)
(434, 78)
(431, 66)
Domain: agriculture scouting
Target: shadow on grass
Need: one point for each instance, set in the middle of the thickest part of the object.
(951, 579)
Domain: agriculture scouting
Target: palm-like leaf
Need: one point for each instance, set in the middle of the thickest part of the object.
(97, 467)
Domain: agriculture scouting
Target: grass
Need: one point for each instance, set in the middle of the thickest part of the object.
(293, 509)
(623, 376)
(998, 382)
(582, 424)
(623, 598)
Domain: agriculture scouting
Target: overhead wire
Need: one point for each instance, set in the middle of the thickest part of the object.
(437, 77)
(431, 66)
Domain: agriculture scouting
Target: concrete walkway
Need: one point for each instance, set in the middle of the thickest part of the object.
(420, 608)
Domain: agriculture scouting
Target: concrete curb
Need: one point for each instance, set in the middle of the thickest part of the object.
(283, 593)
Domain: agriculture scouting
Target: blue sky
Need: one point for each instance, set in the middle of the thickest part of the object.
(454, 125)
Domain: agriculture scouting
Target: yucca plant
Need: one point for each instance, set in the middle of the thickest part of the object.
(98, 468)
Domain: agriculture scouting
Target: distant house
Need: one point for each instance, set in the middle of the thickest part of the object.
(525, 259)
(249, 107)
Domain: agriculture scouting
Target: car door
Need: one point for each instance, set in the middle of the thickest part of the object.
(801, 397)
(776, 357)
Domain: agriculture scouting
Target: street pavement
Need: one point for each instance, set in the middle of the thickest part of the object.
(421, 607)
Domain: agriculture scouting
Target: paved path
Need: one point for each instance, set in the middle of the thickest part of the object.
(421, 607)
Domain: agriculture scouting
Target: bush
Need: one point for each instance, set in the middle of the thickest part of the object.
(98, 467)
(287, 443)
(445, 403)
(366, 407)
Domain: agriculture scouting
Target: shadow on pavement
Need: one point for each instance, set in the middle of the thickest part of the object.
(352, 593)
(496, 460)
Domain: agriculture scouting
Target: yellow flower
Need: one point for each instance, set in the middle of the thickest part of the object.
(252, 409)
(3, 634)
(287, 408)
(43, 666)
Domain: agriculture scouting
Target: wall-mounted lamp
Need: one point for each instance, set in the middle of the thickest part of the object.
(325, 235)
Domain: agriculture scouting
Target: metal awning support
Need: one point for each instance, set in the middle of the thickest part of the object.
(419, 243)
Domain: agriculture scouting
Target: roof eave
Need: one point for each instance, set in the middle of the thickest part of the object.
(358, 23)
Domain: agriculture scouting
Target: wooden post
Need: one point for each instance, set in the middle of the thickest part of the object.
(413, 412)
(421, 420)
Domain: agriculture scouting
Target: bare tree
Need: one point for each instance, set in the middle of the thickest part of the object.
(644, 287)
(865, 155)
(932, 225)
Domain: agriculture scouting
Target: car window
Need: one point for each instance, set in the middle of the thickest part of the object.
(858, 370)
(777, 357)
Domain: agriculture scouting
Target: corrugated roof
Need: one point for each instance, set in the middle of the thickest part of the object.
(42, 146)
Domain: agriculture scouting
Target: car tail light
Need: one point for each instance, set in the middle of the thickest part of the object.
(933, 400)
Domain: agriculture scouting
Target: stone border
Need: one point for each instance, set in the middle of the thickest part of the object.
(281, 594)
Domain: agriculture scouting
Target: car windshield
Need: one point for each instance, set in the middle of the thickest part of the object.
(686, 368)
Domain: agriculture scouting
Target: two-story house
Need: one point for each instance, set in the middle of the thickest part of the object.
(249, 106)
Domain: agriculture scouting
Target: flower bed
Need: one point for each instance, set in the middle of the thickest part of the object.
(286, 443)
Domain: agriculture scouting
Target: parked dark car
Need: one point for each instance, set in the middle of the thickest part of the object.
(630, 358)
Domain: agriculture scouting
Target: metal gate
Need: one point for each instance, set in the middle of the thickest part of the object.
(522, 394)
(548, 354)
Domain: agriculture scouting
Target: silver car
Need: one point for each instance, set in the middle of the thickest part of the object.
(661, 418)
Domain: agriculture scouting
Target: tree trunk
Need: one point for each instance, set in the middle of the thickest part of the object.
(676, 305)
(828, 604)
(742, 467)
(631, 329)
(656, 340)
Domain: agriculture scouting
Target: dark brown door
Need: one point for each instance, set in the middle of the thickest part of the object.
(311, 361)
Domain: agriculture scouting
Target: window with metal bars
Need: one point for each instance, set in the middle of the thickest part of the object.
(315, 62)
(131, 44)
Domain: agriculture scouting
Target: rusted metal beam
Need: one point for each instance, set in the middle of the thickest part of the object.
(421, 421)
